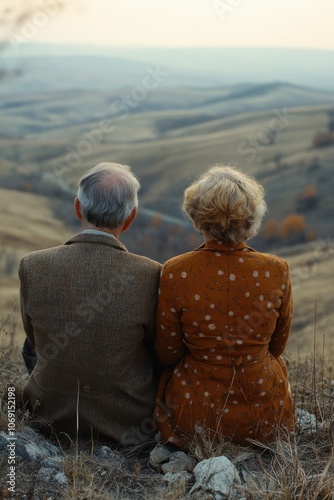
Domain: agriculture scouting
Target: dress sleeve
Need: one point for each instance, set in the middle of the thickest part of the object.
(28, 328)
(169, 344)
(281, 334)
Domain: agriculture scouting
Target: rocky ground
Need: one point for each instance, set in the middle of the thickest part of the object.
(300, 467)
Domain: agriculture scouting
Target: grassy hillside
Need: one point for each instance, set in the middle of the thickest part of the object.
(27, 223)
(312, 270)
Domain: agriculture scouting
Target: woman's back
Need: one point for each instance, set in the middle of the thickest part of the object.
(223, 318)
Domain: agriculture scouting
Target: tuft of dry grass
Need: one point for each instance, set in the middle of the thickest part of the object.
(11, 371)
(112, 479)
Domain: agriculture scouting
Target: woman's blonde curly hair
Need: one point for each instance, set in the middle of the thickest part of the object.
(225, 203)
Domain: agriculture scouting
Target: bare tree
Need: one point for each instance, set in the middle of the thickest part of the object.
(21, 20)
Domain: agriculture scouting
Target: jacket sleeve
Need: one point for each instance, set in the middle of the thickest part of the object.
(169, 344)
(281, 334)
(27, 325)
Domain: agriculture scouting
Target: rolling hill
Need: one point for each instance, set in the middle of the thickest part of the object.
(65, 133)
(191, 67)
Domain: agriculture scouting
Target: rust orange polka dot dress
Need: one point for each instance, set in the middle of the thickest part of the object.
(223, 321)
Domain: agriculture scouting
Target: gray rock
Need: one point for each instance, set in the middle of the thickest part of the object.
(106, 452)
(29, 445)
(46, 474)
(178, 477)
(53, 477)
(37, 446)
(179, 462)
(216, 478)
(3, 442)
(52, 463)
(7, 442)
(158, 455)
(61, 479)
(307, 422)
(52, 474)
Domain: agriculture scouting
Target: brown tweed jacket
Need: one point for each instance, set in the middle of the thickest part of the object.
(88, 308)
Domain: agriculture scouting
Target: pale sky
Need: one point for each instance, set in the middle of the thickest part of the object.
(187, 23)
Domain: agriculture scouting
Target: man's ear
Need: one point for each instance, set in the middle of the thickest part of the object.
(129, 220)
(77, 209)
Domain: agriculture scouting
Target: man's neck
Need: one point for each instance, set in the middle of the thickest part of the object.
(112, 232)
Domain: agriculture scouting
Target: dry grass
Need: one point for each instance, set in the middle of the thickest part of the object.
(115, 478)
(299, 467)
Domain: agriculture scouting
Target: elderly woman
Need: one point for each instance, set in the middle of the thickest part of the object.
(223, 321)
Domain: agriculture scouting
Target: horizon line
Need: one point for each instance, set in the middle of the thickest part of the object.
(169, 47)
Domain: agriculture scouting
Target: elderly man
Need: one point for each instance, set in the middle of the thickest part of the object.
(88, 309)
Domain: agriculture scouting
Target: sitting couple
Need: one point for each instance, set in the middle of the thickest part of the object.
(103, 328)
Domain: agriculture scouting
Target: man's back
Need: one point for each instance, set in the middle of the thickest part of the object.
(89, 309)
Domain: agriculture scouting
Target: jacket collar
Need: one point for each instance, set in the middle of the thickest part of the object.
(223, 246)
(96, 239)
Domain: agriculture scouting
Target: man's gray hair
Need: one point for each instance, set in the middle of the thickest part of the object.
(107, 194)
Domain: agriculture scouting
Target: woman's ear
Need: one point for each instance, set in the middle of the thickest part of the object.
(77, 209)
